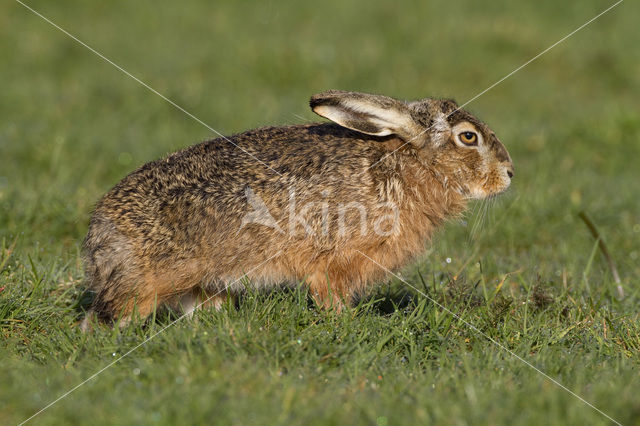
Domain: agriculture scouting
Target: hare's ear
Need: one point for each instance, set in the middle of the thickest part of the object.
(371, 114)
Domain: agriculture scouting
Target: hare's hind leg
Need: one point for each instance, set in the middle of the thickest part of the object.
(122, 304)
(116, 276)
(133, 294)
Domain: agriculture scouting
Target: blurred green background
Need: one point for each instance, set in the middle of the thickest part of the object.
(72, 125)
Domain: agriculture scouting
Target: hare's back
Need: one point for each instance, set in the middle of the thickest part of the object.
(217, 169)
(211, 179)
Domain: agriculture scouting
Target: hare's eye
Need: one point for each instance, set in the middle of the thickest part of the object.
(468, 138)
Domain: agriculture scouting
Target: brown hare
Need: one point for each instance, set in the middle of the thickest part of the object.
(310, 203)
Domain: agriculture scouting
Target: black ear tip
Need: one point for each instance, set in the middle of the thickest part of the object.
(329, 98)
(314, 101)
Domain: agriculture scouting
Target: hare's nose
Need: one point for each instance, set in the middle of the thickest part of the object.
(510, 170)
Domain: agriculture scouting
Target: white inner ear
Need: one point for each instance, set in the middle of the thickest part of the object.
(384, 132)
(388, 120)
(384, 117)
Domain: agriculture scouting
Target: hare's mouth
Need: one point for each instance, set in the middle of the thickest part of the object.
(484, 193)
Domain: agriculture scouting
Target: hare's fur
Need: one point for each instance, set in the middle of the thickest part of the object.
(176, 228)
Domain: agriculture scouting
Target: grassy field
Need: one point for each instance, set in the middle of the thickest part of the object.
(527, 273)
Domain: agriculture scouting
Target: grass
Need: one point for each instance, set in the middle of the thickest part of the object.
(527, 274)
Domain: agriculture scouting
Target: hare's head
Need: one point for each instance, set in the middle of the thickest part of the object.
(449, 140)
